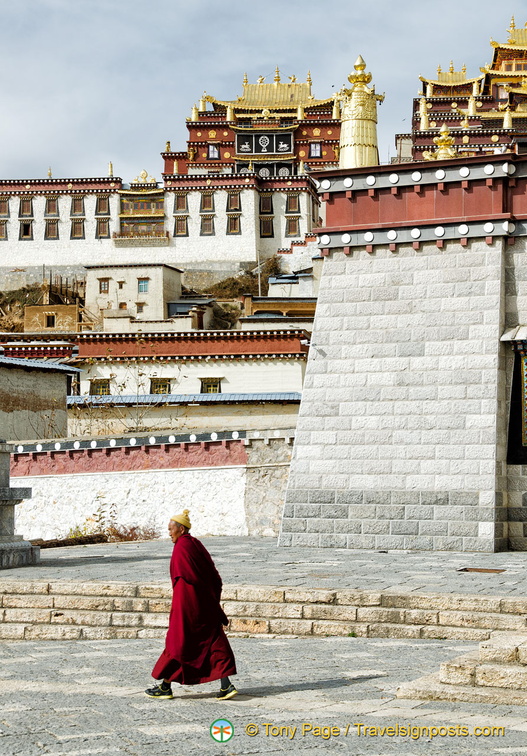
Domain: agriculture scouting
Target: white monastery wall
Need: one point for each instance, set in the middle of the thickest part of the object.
(237, 376)
(401, 437)
(32, 404)
(147, 498)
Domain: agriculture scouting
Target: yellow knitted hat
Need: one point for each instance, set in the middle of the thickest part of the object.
(182, 519)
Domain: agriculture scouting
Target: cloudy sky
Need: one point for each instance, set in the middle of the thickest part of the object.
(88, 81)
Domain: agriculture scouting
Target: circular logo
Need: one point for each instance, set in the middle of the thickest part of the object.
(221, 730)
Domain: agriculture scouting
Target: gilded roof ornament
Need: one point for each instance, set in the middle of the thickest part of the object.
(358, 133)
(445, 146)
(144, 178)
(277, 75)
(245, 80)
(50, 175)
(276, 95)
(110, 169)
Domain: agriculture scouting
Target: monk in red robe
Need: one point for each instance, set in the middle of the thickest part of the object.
(196, 647)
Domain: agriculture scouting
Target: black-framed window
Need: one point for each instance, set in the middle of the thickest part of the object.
(234, 202)
(103, 228)
(160, 385)
(207, 225)
(104, 285)
(292, 203)
(233, 225)
(3, 230)
(102, 206)
(52, 206)
(181, 225)
(210, 386)
(25, 209)
(51, 320)
(266, 204)
(207, 202)
(52, 229)
(181, 203)
(26, 230)
(100, 387)
(77, 228)
(266, 227)
(292, 226)
(77, 206)
(4, 207)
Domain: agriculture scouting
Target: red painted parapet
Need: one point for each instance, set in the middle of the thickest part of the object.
(129, 458)
(411, 203)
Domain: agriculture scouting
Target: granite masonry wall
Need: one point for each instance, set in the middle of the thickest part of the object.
(401, 437)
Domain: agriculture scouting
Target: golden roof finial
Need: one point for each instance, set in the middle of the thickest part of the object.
(277, 75)
(451, 67)
(439, 70)
(308, 80)
(360, 65)
(513, 23)
(292, 79)
(445, 146)
(464, 69)
(50, 175)
(245, 80)
(110, 169)
(168, 147)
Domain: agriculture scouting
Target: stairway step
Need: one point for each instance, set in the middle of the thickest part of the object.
(430, 688)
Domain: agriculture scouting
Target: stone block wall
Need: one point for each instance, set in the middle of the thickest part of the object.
(401, 437)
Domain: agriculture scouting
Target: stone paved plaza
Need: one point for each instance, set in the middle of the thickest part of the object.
(84, 698)
(78, 698)
(258, 561)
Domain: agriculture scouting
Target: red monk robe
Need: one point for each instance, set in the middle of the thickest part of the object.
(196, 647)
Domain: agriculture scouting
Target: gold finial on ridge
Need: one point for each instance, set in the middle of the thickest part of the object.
(245, 80)
(110, 169)
(277, 75)
(360, 65)
(439, 70)
(445, 146)
(168, 147)
(50, 175)
(308, 80)
(464, 69)
(451, 67)
(513, 23)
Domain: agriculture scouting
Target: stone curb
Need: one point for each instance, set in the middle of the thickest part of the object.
(74, 610)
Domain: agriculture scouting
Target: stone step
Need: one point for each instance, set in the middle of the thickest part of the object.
(430, 688)
(116, 610)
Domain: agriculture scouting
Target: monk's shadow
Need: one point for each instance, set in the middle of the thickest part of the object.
(276, 690)
(98, 558)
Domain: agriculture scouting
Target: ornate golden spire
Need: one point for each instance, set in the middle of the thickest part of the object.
(50, 175)
(451, 67)
(309, 80)
(358, 133)
(245, 80)
(445, 146)
(277, 75)
(110, 169)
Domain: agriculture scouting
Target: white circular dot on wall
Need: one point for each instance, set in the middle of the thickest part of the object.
(39, 447)
(93, 444)
(348, 183)
(132, 441)
(415, 233)
(171, 439)
(276, 433)
(464, 171)
(152, 440)
(392, 235)
(416, 176)
(214, 436)
(235, 434)
(325, 184)
(508, 168)
(345, 238)
(192, 437)
(368, 236)
(439, 231)
(370, 180)
(57, 446)
(489, 169)
(256, 434)
(393, 178)
(112, 442)
(76, 444)
(20, 449)
(325, 239)
(508, 227)
(463, 229)
(488, 228)
(440, 174)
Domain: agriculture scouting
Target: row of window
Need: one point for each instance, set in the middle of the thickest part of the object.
(234, 203)
(101, 386)
(142, 286)
(207, 227)
(51, 230)
(25, 207)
